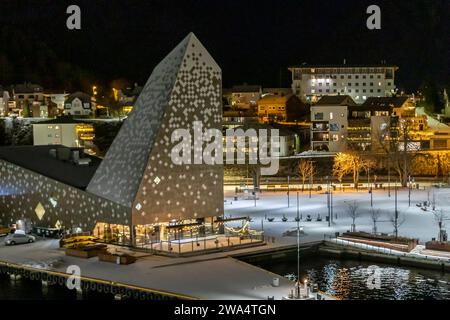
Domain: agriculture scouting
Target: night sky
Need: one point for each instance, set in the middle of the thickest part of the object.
(253, 41)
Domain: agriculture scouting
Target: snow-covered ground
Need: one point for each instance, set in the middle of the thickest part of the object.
(417, 223)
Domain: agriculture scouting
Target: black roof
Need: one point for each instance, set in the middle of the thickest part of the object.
(391, 102)
(336, 100)
(38, 159)
(27, 88)
(370, 65)
(84, 97)
(61, 120)
(246, 88)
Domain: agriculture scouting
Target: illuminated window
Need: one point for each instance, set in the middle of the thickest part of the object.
(331, 115)
(335, 137)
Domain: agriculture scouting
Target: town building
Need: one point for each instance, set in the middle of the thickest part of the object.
(79, 104)
(282, 108)
(64, 131)
(245, 96)
(58, 98)
(127, 97)
(377, 120)
(4, 101)
(235, 118)
(310, 82)
(28, 98)
(289, 143)
(329, 122)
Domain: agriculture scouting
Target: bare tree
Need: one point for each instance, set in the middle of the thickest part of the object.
(433, 201)
(440, 217)
(349, 162)
(341, 167)
(353, 213)
(394, 140)
(397, 219)
(375, 215)
(306, 169)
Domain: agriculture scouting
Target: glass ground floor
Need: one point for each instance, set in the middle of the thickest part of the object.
(180, 235)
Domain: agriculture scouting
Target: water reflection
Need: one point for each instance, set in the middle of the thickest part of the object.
(349, 279)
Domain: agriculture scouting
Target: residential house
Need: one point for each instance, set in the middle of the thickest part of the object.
(282, 108)
(79, 104)
(64, 130)
(28, 97)
(329, 122)
(245, 96)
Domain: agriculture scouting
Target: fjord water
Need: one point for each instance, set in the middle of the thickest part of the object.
(344, 279)
(348, 279)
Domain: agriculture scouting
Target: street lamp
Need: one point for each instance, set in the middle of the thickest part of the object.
(288, 181)
(328, 200)
(310, 178)
(409, 190)
(369, 187)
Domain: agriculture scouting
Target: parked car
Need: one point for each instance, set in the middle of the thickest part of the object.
(18, 238)
(5, 230)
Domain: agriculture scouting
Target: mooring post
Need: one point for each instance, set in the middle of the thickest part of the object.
(15, 277)
(44, 287)
(79, 294)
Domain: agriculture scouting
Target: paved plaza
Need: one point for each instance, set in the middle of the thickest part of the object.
(417, 223)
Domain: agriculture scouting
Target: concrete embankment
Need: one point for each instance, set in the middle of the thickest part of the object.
(337, 251)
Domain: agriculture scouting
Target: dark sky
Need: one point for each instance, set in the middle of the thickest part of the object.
(253, 41)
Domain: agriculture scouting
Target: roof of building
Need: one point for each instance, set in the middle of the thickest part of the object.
(336, 100)
(383, 102)
(134, 91)
(65, 119)
(246, 88)
(84, 97)
(27, 88)
(39, 160)
(279, 91)
(319, 66)
(273, 98)
(282, 130)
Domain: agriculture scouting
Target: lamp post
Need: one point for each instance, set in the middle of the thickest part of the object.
(288, 181)
(310, 178)
(389, 176)
(369, 187)
(409, 191)
(328, 201)
(396, 212)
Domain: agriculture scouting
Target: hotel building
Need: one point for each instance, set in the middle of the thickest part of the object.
(310, 82)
